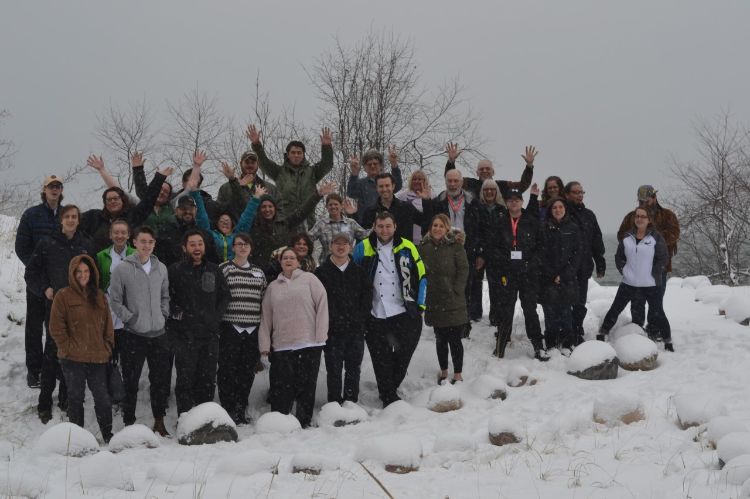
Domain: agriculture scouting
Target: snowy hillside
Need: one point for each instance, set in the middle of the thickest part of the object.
(562, 451)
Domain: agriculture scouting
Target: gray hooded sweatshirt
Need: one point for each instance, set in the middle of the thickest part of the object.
(140, 300)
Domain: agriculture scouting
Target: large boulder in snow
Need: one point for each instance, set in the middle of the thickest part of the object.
(626, 329)
(520, 376)
(104, 470)
(722, 425)
(593, 360)
(737, 309)
(695, 409)
(696, 282)
(732, 445)
(399, 453)
(503, 430)
(175, 472)
(636, 352)
(445, 398)
(454, 442)
(67, 439)
(248, 463)
(133, 436)
(207, 423)
(615, 408)
(333, 414)
(713, 295)
(313, 464)
(275, 422)
(489, 387)
(737, 471)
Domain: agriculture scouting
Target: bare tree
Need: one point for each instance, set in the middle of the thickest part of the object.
(123, 132)
(713, 202)
(372, 94)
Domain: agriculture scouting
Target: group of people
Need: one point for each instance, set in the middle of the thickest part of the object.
(218, 289)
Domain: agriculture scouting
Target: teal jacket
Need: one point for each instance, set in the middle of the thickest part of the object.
(224, 243)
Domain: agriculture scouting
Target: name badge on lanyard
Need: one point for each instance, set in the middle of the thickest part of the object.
(515, 254)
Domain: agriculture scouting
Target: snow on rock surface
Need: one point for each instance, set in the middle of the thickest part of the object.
(445, 398)
(133, 436)
(713, 295)
(175, 472)
(696, 282)
(248, 463)
(489, 387)
(695, 409)
(593, 360)
(503, 429)
(313, 464)
(21, 480)
(275, 422)
(723, 425)
(737, 471)
(349, 413)
(206, 423)
(518, 375)
(627, 329)
(398, 452)
(104, 470)
(636, 352)
(675, 281)
(745, 490)
(454, 442)
(732, 445)
(67, 439)
(6, 450)
(618, 407)
(737, 308)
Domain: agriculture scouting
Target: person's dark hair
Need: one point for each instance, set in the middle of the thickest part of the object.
(385, 175)
(171, 188)
(569, 186)
(68, 207)
(119, 221)
(244, 236)
(229, 214)
(560, 187)
(144, 229)
(91, 290)
(553, 201)
(295, 143)
(334, 197)
(123, 197)
(302, 236)
(372, 154)
(384, 215)
(193, 232)
(186, 176)
(644, 210)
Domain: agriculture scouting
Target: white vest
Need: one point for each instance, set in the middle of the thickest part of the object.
(639, 261)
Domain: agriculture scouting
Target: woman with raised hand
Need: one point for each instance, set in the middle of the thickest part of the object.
(293, 332)
(81, 325)
(442, 251)
(640, 258)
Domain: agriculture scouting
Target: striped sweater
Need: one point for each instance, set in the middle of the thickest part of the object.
(246, 286)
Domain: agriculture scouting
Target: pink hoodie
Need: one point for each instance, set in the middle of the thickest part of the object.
(294, 312)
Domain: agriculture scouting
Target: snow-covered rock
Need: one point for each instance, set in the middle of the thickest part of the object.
(518, 375)
(6, 450)
(696, 282)
(732, 445)
(67, 439)
(175, 472)
(398, 410)
(445, 398)
(695, 409)
(333, 414)
(593, 360)
(489, 387)
(503, 430)
(675, 281)
(636, 352)
(454, 442)
(745, 490)
(737, 471)
(133, 436)
(21, 480)
(737, 309)
(207, 423)
(722, 425)
(626, 329)
(275, 422)
(399, 453)
(618, 407)
(313, 464)
(713, 295)
(104, 470)
(248, 463)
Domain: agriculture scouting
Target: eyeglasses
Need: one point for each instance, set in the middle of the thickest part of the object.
(54, 186)
(642, 216)
(241, 245)
(113, 200)
(577, 193)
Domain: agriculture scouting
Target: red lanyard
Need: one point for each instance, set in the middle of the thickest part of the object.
(514, 228)
(455, 207)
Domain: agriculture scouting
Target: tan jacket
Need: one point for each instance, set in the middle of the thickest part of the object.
(82, 331)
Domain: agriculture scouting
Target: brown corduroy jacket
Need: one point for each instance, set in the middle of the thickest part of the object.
(665, 222)
(82, 331)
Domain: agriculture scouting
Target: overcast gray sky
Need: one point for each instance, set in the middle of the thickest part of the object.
(608, 91)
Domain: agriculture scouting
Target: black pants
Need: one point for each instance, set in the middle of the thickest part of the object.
(558, 326)
(652, 295)
(51, 371)
(238, 355)
(493, 283)
(293, 378)
(449, 337)
(34, 332)
(392, 342)
(134, 351)
(77, 376)
(195, 360)
(638, 306)
(579, 308)
(474, 292)
(344, 351)
(525, 288)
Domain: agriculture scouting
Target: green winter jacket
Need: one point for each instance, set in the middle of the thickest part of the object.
(447, 271)
(104, 262)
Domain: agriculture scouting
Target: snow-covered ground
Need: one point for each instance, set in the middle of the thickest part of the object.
(563, 452)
